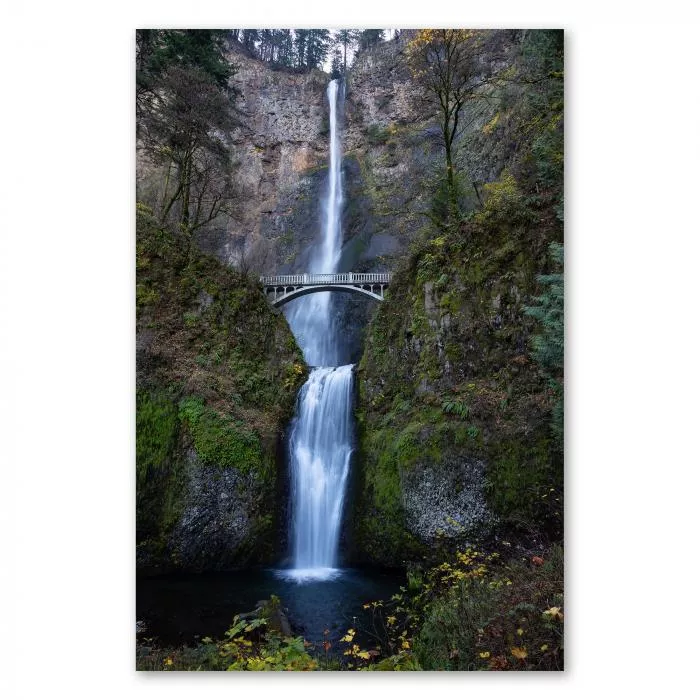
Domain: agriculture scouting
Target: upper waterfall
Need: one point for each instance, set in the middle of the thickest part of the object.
(311, 317)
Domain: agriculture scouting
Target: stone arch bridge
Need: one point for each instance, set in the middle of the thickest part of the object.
(280, 289)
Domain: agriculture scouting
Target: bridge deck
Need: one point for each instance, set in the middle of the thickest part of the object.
(326, 278)
(283, 288)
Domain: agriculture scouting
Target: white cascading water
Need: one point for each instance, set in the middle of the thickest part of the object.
(322, 431)
(310, 316)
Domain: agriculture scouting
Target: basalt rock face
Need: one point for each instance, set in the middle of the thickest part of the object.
(225, 518)
(280, 152)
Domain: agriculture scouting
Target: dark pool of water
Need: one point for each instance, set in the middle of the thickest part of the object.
(180, 609)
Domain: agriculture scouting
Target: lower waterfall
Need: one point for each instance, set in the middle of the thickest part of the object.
(320, 449)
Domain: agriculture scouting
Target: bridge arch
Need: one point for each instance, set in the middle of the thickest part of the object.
(303, 291)
(283, 288)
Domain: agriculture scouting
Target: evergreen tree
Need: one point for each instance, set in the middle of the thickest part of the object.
(317, 46)
(548, 345)
(159, 49)
(300, 41)
(337, 70)
(346, 39)
(250, 36)
(370, 37)
(266, 45)
(184, 116)
(285, 47)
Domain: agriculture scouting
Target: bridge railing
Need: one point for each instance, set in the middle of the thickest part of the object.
(326, 278)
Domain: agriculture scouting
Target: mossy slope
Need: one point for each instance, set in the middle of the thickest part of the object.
(217, 373)
(449, 394)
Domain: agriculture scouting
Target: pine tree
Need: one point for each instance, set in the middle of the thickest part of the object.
(317, 47)
(337, 70)
(346, 39)
(370, 37)
(547, 346)
(300, 41)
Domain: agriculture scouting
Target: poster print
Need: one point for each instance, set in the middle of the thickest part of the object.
(349, 385)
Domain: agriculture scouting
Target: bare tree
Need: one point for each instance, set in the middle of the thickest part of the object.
(186, 128)
(449, 63)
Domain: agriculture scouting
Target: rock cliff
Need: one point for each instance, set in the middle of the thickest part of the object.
(217, 371)
(280, 154)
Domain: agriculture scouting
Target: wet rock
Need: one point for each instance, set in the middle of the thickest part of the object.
(446, 499)
(221, 515)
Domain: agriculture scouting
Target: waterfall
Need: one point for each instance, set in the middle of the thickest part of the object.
(321, 446)
(321, 436)
(310, 316)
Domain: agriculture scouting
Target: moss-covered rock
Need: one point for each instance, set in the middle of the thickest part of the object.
(217, 374)
(454, 412)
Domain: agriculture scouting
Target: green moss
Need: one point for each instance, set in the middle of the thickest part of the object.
(146, 295)
(524, 482)
(156, 432)
(220, 441)
(158, 466)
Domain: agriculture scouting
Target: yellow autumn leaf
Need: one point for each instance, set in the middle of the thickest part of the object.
(405, 644)
(519, 631)
(544, 647)
(363, 654)
(485, 654)
(555, 613)
(168, 662)
(391, 619)
(519, 652)
(349, 636)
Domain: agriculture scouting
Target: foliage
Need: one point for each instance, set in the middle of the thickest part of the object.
(275, 46)
(159, 49)
(458, 408)
(471, 612)
(184, 119)
(157, 464)
(345, 38)
(548, 345)
(311, 47)
(377, 135)
(250, 645)
(454, 333)
(219, 440)
(542, 121)
(217, 368)
(504, 203)
(369, 37)
(156, 432)
(208, 324)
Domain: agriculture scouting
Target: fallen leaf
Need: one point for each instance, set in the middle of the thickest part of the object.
(555, 613)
